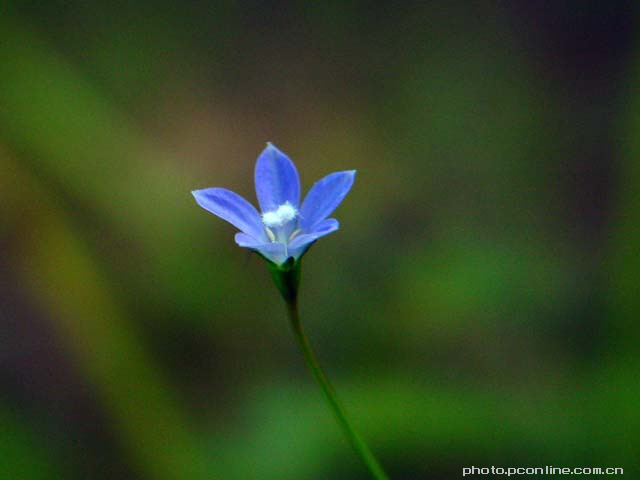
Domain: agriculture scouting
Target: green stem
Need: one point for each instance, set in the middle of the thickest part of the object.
(354, 438)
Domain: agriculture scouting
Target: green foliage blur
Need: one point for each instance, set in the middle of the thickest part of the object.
(479, 305)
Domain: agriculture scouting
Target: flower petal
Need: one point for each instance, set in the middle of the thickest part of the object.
(272, 251)
(233, 208)
(276, 179)
(324, 197)
(302, 242)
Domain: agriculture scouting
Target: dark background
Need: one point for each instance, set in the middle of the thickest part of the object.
(479, 305)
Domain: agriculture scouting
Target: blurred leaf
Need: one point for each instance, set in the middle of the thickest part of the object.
(82, 144)
(63, 278)
(24, 454)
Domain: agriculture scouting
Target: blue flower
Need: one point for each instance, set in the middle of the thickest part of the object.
(285, 228)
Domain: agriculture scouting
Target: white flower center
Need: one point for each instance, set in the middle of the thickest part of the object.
(277, 218)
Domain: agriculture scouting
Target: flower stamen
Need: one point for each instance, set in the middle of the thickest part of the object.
(294, 233)
(270, 234)
(283, 214)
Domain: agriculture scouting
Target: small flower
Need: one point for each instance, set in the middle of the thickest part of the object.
(285, 229)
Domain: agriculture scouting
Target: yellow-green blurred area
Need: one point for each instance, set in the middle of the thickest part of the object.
(479, 305)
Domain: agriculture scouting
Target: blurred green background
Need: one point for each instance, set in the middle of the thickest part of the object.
(478, 307)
